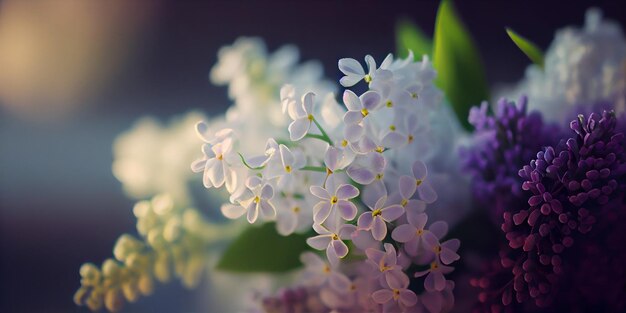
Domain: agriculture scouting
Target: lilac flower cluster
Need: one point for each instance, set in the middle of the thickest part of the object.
(570, 189)
(502, 144)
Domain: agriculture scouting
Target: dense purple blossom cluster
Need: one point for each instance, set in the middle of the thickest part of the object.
(559, 236)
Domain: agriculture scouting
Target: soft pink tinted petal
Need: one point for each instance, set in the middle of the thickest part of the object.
(408, 297)
(233, 211)
(286, 223)
(370, 100)
(320, 192)
(350, 80)
(374, 255)
(253, 212)
(439, 228)
(319, 242)
(415, 207)
(365, 220)
(267, 209)
(299, 128)
(321, 211)
(347, 191)
(391, 213)
(403, 233)
(341, 249)
(351, 100)
(353, 132)
(267, 192)
(363, 240)
(407, 187)
(198, 165)
(346, 231)
(419, 170)
(216, 174)
(307, 102)
(394, 140)
(448, 256)
(347, 210)
(331, 157)
(382, 296)
(379, 229)
(339, 282)
(360, 174)
(426, 192)
(418, 220)
(350, 66)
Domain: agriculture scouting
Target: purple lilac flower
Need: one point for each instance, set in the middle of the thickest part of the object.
(568, 189)
(502, 143)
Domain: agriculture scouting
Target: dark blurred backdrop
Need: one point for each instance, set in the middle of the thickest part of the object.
(75, 74)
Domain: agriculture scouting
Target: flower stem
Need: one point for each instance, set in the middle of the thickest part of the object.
(324, 134)
(314, 169)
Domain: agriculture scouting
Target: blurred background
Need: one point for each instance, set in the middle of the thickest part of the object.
(75, 74)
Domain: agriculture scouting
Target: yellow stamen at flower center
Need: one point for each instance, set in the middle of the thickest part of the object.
(420, 232)
(418, 182)
(389, 103)
(288, 168)
(413, 95)
(410, 138)
(257, 199)
(310, 117)
(396, 294)
(344, 143)
(437, 249)
(404, 202)
(392, 128)
(328, 171)
(383, 267)
(220, 157)
(367, 78)
(365, 112)
(377, 212)
(352, 287)
(335, 237)
(379, 176)
(380, 149)
(434, 266)
(334, 200)
(296, 209)
(326, 269)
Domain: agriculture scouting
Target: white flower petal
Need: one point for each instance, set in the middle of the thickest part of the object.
(351, 66)
(299, 128)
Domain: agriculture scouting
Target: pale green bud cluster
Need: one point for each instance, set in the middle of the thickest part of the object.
(174, 242)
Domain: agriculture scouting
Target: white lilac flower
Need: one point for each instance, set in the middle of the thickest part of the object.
(293, 214)
(384, 263)
(359, 107)
(582, 66)
(397, 291)
(367, 168)
(424, 189)
(284, 167)
(435, 281)
(338, 199)
(217, 165)
(416, 239)
(302, 116)
(255, 200)
(317, 271)
(355, 73)
(331, 240)
(153, 157)
(376, 220)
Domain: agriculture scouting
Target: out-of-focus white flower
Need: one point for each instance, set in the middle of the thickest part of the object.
(583, 66)
(153, 158)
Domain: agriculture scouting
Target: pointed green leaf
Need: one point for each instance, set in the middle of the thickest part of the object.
(530, 49)
(460, 72)
(410, 37)
(262, 249)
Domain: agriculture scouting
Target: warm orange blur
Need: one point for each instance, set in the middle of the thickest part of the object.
(55, 54)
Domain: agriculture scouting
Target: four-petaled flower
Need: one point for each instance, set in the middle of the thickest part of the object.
(254, 200)
(331, 240)
(376, 219)
(302, 116)
(339, 199)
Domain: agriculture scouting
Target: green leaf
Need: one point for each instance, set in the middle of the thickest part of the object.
(262, 249)
(410, 37)
(460, 72)
(529, 48)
